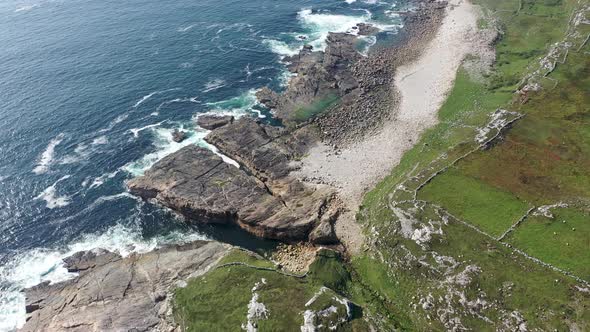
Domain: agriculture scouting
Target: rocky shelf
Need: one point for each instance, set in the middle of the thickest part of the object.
(112, 293)
(259, 197)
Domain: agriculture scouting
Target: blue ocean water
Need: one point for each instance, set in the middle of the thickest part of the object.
(89, 94)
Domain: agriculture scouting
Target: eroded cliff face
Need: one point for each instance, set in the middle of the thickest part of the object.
(112, 293)
(260, 196)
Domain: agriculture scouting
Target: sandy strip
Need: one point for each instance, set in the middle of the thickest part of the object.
(423, 86)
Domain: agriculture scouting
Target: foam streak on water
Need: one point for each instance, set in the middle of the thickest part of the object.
(46, 158)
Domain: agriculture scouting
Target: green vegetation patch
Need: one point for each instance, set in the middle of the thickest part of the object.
(563, 240)
(476, 202)
(472, 278)
(231, 296)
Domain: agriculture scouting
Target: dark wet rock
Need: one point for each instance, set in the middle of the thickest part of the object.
(112, 293)
(211, 122)
(361, 84)
(178, 135)
(365, 29)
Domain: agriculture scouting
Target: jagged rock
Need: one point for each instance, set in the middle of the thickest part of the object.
(365, 29)
(198, 184)
(320, 75)
(211, 122)
(258, 147)
(178, 136)
(112, 293)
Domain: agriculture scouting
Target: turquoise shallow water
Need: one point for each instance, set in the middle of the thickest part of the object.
(90, 91)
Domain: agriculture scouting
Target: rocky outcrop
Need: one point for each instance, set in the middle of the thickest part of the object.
(112, 293)
(320, 74)
(211, 122)
(178, 135)
(260, 196)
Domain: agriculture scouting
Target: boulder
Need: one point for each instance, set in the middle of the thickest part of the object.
(365, 29)
(178, 136)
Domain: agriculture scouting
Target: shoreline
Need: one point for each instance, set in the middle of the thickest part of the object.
(420, 88)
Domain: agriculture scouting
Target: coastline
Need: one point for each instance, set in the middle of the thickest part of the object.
(420, 88)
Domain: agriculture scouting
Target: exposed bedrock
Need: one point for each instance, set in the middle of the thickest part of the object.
(214, 121)
(320, 74)
(112, 293)
(260, 196)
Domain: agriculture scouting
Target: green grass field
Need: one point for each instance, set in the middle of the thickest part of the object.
(563, 241)
(542, 159)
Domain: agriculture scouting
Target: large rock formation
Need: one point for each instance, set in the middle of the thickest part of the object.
(320, 74)
(112, 293)
(260, 196)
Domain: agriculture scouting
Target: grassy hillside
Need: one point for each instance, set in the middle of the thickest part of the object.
(485, 224)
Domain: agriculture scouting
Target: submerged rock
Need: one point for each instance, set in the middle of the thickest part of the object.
(365, 29)
(112, 293)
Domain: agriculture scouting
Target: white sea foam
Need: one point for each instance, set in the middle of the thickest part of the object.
(321, 24)
(349, 1)
(316, 28)
(236, 106)
(151, 94)
(30, 268)
(177, 100)
(136, 131)
(51, 198)
(99, 181)
(46, 158)
(282, 48)
(164, 145)
(25, 8)
(225, 158)
(214, 85)
(186, 28)
(101, 140)
(113, 123)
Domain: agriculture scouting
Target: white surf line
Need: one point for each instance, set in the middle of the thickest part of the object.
(178, 100)
(136, 131)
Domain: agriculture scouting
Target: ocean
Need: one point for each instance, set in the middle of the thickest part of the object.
(90, 92)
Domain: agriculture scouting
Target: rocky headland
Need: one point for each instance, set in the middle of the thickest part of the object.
(260, 196)
(112, 293)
